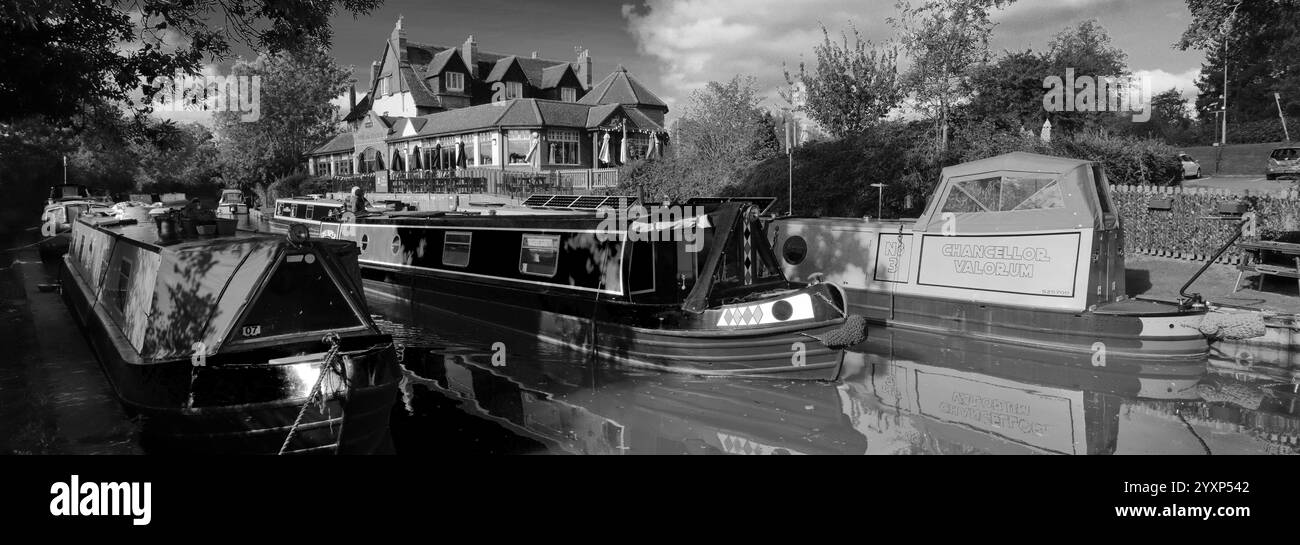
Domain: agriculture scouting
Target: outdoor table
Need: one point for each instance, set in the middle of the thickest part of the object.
(1253, 253)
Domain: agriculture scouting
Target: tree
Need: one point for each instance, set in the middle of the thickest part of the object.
(296, 115)
(60, 54)
(1087, 50)
(721, 132)
(946, 40)
(1256, 43)
(853, 86)
(1009, 91)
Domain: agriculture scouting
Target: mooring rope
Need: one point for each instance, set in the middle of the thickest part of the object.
(327, 364)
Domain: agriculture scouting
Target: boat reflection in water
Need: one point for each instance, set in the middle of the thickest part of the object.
(902, 392)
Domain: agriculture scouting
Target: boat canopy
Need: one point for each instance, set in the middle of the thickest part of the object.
(1017, 192)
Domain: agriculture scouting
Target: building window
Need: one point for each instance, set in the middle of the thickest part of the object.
(539, 255)
(568, 94)
(514, 89)
(519, 147)
(383, 86)
(455, 81)
(637, 145)
(487, 148)
(447, 152)
(123, 284)
(371, 160)
(563, 144)
(455, 248)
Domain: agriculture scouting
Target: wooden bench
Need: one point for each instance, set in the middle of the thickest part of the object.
(1252, 261)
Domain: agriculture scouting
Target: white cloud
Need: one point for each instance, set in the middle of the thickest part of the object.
(697, 41)
(1162, 80)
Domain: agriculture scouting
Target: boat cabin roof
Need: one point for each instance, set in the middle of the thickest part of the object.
(1021, 192)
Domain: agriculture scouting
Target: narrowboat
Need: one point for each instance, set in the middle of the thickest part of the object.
(692, 288)
(231, 204)
(247, 343)
(1020, 248)
(58, 217)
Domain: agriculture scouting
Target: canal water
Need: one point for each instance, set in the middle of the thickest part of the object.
(471, 388)
(524, 396)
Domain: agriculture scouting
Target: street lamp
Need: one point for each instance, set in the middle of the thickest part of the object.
(880, 197)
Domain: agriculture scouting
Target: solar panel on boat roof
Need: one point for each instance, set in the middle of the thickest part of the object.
(561, 201)
(588, 202)
(579, 202)
(536, 200)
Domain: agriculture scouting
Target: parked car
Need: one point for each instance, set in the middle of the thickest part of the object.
(1191, 168)
(1284, 161)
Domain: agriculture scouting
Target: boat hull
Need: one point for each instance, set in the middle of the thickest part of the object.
(785, 352)
(250, 407)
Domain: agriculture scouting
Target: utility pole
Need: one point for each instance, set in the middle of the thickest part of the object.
(1277, 99)
(1223, 50)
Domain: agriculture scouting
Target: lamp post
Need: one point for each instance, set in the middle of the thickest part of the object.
(880, 198)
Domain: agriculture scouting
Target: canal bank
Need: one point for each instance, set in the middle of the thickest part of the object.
(54, 399)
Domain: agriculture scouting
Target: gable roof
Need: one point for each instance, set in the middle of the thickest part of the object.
(442, 60)
(360, 110)
(553, 75)
(619, 87)
(340, 143)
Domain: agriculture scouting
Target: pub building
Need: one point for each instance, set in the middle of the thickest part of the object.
(436, 108)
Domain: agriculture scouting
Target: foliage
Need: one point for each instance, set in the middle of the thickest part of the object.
(853, 85)
(1009, 91)
(722, 131)
(295, 116)
(1258, 43)
(1189, 228)
(946, 40)
(61, 54)
(1086, 48)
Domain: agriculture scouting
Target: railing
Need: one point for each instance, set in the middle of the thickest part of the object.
(513, 183)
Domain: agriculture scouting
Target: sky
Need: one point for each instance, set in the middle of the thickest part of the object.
(677, 46)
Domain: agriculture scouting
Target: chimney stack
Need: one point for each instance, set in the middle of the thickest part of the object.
(468, 51)
(374, 74)
(399, 40)
(352, 95)
(583, 66)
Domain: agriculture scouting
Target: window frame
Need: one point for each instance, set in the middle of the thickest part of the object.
(458, 77)
(568, 94)
(567, 139)
(468, 243)
(524, 247)
(528, 143)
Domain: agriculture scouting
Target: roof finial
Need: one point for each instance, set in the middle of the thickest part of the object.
(399, 22)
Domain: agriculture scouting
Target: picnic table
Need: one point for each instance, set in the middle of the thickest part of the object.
(1256, 256)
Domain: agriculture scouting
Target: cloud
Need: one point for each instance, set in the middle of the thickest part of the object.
(697, 41)
(1162, 80)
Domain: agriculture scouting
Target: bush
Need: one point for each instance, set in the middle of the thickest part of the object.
(297, 184)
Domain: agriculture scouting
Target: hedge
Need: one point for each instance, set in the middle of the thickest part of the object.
(1192, 229)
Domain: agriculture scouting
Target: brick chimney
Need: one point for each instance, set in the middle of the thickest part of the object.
(352, 95)
(468, 51)
(374, 74)
(583, 66)
(399, 40)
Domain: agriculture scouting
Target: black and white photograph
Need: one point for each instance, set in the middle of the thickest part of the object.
(417, 228)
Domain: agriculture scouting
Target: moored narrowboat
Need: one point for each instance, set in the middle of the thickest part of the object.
(249, 343)
(1021, 248)
(695, 291)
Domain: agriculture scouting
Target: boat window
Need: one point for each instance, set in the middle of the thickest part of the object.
(794, 249)
(539, 255)
(641, 273)
(300, 297)
(230, 198)
(123, 292)
(321, 212)
(1003, 194)
(455, 248)
(1103, 191)
(300, 210)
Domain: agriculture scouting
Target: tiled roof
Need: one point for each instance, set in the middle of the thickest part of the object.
(552, 75)
(533, 67)
(642, 121)
(521, 113)
(619, 87)
(463, 119)
(501, 68)
(420, 93)
(441, 60)
(340, 143)
(599, 114)
(562, 114)
(360, 110)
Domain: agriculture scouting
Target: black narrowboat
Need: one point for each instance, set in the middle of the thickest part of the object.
(690, 288)
(246, 343)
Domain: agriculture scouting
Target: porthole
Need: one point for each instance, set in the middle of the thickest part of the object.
(794, 250)
(397, 245)
(365, 241)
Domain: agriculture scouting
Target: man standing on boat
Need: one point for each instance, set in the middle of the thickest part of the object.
(355, 205)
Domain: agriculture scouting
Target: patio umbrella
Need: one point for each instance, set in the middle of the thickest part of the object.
(460, 154)
(397, 160)
(415, 159)
(654, 146)
(437, 152)
(622, 147)
(604, 149)
(532, 149)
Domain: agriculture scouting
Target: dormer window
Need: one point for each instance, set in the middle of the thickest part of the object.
(514, 89)
(455, 81)
(383, 87)
(568, 94)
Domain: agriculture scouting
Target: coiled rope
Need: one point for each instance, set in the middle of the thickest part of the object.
(326, 365)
